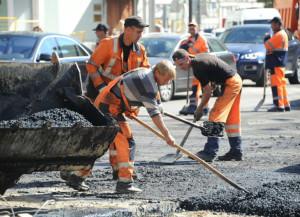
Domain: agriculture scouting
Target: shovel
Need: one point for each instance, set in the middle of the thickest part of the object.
(172, 158)
(261, 102)
(188, 153)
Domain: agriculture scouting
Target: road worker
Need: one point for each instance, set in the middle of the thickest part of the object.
(111, 58)
(276, 58)
(123, 96)
(101, 32)
(195, 44)
(226, 110)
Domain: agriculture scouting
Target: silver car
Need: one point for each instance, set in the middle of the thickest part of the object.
(160, 46)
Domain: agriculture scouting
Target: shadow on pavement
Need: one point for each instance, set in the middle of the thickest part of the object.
(290, 169)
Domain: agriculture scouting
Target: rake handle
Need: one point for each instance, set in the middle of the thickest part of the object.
(182, 120)
(199, 160)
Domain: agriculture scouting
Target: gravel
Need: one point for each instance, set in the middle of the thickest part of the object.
(53, 117)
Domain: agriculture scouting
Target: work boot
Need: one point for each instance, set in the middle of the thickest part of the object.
(275, 109)
(287, 109)
(235, 152)
(208, 157)
(116, 176)
(126, 188)
(210, 150)
(74, 181)
(231, 156)
(183, 111)
(191, 109)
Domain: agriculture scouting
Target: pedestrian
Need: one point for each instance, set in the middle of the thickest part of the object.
(123, 96)
(226, 110)
(113, 57)
(195, 44)
(276, 58)
(101, 32)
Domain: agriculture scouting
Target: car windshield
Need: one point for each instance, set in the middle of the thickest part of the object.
(245, 35)
(16, 47)
(159, 47)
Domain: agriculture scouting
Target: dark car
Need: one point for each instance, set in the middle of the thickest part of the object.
(38, 47)
(247, 43)
(161, 46)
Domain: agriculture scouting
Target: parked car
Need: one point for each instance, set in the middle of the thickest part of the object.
(247, 43)
(37, 47)
(160, 46)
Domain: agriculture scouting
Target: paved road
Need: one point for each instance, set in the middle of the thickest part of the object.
(272, 153)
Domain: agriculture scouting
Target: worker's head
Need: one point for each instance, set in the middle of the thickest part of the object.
(276, 24)
(101, 31)
(133, 28)
(181, 59)
(164, 72)
(193, 28)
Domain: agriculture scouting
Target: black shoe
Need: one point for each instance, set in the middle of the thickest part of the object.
(127, 188)
(183, 111)
(231, 156)
(191, 109)
(206, 156)
(287, 109)
(74, 181)
(276, 109)
(79, 186)
(116, 176)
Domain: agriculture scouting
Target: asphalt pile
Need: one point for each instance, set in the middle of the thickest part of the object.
(271, 200)
(58, 117)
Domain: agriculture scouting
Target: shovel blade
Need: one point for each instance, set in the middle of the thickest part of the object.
(169, 158)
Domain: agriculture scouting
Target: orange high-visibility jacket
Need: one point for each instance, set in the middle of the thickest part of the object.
(277, 48)
(199, 46)
(106, 63)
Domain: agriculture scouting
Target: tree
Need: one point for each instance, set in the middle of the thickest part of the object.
(268, 3)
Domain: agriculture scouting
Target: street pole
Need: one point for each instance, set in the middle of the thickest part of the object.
(190, 10)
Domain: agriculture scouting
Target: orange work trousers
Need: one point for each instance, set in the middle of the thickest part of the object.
(278, 85)
(227, 107)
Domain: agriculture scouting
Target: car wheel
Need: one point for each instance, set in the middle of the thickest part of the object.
(166, 91)
(295, 79)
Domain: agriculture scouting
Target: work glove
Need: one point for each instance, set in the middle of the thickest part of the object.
(160, 108)
(198, 114)
(132, 113)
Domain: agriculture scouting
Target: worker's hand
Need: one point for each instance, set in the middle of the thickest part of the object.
(132, 113)
(160, 108)
(170, 140)
(198, 114)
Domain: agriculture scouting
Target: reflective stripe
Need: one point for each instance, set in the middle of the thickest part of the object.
(115, 167)
(278, 97)
(280, 49)
(233, 134)
(232, 126)
(126, 165)
(113, 153)
(107, 72)
(122, 179)
(91, 62)
(139, 63)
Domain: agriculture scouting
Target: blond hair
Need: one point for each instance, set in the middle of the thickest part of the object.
(165, 67)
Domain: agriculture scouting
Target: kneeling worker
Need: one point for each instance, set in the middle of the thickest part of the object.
(226, 110)
(123, 96)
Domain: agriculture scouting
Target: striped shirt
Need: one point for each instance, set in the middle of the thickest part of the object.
(140, 89)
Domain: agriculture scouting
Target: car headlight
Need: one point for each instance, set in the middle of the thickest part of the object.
(252, 56)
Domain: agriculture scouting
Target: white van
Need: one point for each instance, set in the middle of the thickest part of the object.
(251, 16)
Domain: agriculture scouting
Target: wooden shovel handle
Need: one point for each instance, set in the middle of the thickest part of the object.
(188, 153)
